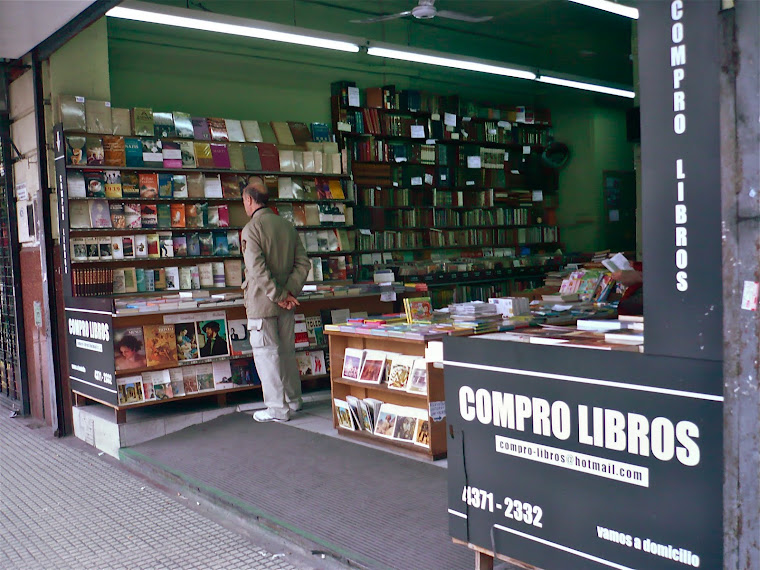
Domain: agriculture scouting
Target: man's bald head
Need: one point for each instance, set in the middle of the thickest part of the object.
(257, 190)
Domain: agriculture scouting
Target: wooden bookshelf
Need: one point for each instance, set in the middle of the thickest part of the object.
(341, 387)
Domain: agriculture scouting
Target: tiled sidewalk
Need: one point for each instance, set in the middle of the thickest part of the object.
(64, 506)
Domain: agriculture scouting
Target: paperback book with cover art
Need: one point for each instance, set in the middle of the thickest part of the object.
(343, 413)
(240, 340)
(175, 378)
(352, 363)
(401, 367)
(204, 377)
(129, 348)
(130, 389)
(189, 379)
(417, 383)
(372, 366)
(222, 375)
(385, 425)
(160, 345)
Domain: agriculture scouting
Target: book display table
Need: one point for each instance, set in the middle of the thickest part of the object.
(426, 407)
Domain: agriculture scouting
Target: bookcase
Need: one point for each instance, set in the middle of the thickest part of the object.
(150, 214)
(438, 178)
(430, 403)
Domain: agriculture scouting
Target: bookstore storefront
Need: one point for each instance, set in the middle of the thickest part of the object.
(151, 261)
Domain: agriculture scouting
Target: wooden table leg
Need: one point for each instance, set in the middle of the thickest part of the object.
(483, 561)
(121, 416)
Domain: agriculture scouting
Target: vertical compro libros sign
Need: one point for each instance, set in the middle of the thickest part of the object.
(575, 458)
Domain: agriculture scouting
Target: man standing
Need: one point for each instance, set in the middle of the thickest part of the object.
(276, 266)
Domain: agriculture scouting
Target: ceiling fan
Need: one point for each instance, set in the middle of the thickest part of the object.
(425, 10)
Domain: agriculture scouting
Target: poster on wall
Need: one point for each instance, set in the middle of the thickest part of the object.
(576, 460)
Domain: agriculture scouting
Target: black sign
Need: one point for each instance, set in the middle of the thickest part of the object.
(574, 458)
(89, 330)
(680, 162)
(59, 147)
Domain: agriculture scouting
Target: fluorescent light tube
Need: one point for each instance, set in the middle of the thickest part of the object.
(587, 86)
(613, 7)
(448, 62)
(183, 18)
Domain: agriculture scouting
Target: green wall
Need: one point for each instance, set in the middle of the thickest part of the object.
(212, 75)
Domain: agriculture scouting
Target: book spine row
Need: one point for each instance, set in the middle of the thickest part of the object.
(92, 282)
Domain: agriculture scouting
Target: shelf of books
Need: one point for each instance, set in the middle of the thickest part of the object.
(387, 392)
(437, 177)
(150, 210)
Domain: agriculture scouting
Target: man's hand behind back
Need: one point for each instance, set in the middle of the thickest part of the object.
(289, 302)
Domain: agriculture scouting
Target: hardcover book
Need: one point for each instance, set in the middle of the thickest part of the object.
(112, 186)
(133, 152)
(114, 151)
(218, 129)
(95, 183)
(129, 348)
(160, 345)
(100, 214)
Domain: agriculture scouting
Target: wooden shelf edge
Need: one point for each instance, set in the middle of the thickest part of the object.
(381, 387)
(408, 447)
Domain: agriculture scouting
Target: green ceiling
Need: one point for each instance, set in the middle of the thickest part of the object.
(552, 35)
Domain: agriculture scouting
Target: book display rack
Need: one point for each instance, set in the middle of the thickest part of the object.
(151, 212)
(437, 178)
(387, 393)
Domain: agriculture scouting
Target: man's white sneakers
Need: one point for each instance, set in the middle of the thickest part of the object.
(265, 416)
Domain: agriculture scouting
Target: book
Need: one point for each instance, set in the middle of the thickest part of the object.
(204, 377)
(133, 152)
(130, 280)
(98, 116)
(175, 379)
(206, 275)
(233, 272)
(343, 413)
(187, 154)
(200, 128)
(314, 330)
(129, 348)
(385, 424)
(179, 186)
(251, 158)
(230, 185)
(301, 336)
(353, 359)
(72, 108)
(269, 156)
(127, 246)
(235, 151)
(185, 278)
(112, 184)
(130, 185)
(217, 269)
(203, 156)
(95, 184)
(130, 389)
(152, 153)
(79, 214)
(222, 375)
(220, 156)
(114, 151)
(220, 246)
(153, 245)
(76, 150)
(282, 132)
(177, 215)
(117, 247)
(233, 242)
(240, 340)
(75, 185)
(141, 245)
(133, 215)
(121, 121)
(172, 154)
(183, 125)
(213, 186)
(193, 244)
(405, 425)
(118, 219)
(100, 214)
(93, 249)
(160, 345)
(148, 185)
(78, 249)
(118, 281)
(162, 384)
(165, 183)
(417, 383)
(149, 215)
(105, 252)
(189, 379)
(234, 130)
(303, 362)
(244, 372)
(398, 375)
(373, 366)
(320, 132)
(196, 215)
(186, 341)
(299, 215)
(300, 132)
(142, 121)
(196, 185)
(212, 338)
(163, 125)
(318, 362)
(252, 131)
(218, 129)
(165, 242)
(418, 309)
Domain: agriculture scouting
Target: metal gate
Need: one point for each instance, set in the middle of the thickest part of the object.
(12, 356)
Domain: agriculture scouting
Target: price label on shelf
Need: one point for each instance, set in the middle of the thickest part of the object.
(430, 141)
(428, 179)
(455, 136)
(470, 183)
(538, 195)
(473, 162)
(450, 119)
(365, 232)
(506, 157)
(344, 127)
(353, 96)
(437, 411)
(417, 181)
(435, 117)
(526, 149)
(387, 296)
(418, 131)
(505, 125)
(400, 159)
